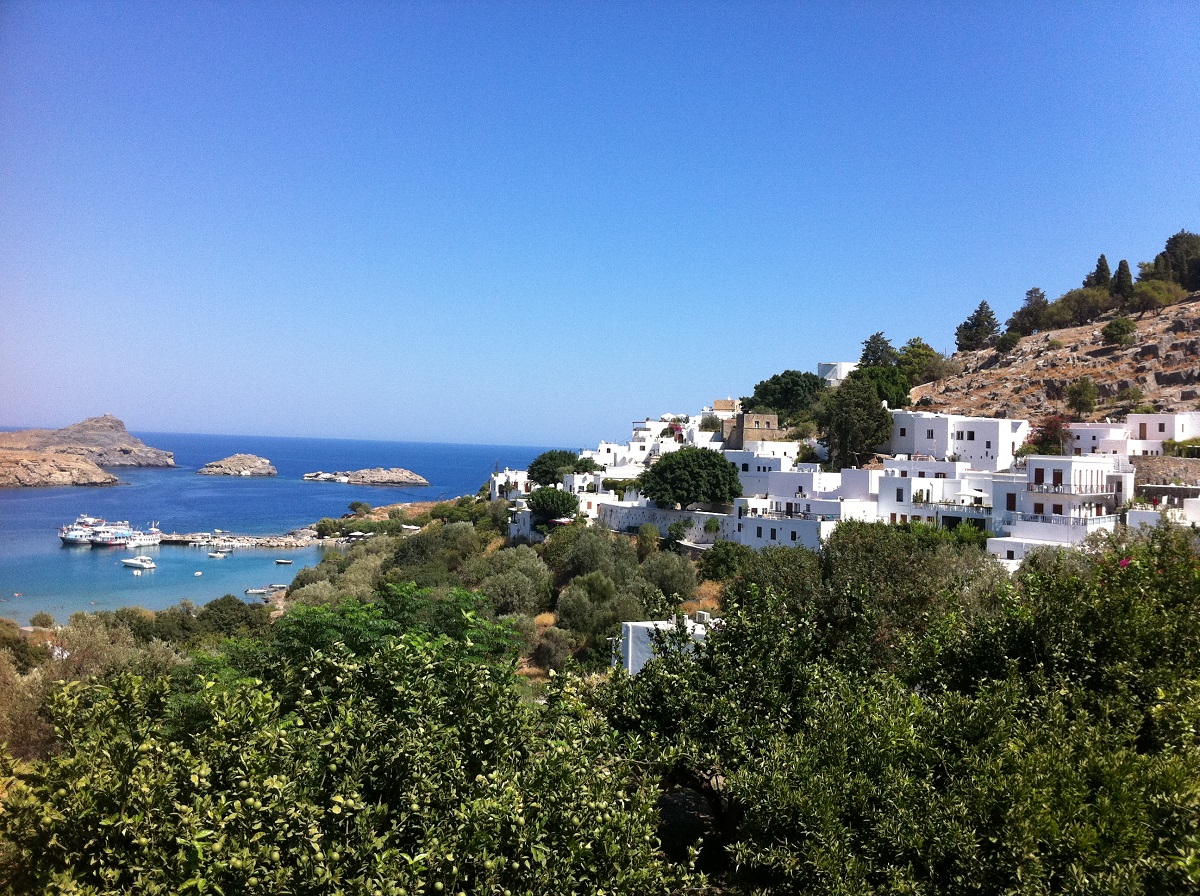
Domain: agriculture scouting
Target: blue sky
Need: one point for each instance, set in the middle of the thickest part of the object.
(531, 223)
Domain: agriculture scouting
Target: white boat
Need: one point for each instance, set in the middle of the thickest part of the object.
(258, 591)
(113, 535)
(284, 562)
(139, 562)
(149, 538)
(80, 531)
(217, 555)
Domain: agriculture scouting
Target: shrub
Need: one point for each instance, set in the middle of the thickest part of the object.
(1007, 342)
(1119, 331)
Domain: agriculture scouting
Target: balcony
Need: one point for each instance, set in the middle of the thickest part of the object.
(1047, 488)
(1088, 522)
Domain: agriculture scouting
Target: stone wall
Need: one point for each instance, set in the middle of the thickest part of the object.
(1155, 470)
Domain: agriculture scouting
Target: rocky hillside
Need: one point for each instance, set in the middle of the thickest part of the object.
(103, 440)
(20, 469)
(1161, 368)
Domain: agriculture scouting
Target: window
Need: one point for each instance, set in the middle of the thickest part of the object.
(970, 435)
(920, 474)
(904, 474)
(939, 475)
(1012, 555)
(1010, 501)
(893, 518)
(903, 431)
(899, 494)
(793, 535)
(929, 433)
(772, 535)
(1039, 509)
(745, 468)
(1056, 509)
(987, 444)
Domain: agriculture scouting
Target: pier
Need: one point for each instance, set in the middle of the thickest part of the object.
(232, 541)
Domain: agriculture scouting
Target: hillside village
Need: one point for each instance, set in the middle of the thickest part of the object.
(945, 463)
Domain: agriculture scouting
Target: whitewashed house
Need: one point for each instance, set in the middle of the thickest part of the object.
(1065, 499)
(986, 443)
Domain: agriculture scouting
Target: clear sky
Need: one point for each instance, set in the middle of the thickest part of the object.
(532, 223)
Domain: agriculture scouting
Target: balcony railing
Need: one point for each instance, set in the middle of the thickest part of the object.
(1089, 522)
(1071, 489)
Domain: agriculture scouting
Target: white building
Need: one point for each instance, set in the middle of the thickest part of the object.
(986, 443)
(833, 372)
(1065, 499)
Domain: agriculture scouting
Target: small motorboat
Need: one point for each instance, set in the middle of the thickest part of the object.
(139, 562)
(283, 562)
(258, 590)
(197, 573)
(217, 555)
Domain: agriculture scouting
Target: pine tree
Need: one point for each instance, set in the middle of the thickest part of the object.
(1101, 277)
(1122, 283)
(878, 351)
(978, 330)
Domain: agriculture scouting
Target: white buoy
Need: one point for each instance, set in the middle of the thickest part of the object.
(198, 573)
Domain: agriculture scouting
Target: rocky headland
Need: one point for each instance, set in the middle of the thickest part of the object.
(102, 440)
(22, 469)
(374, 476)
(74, 455)
(239, 465)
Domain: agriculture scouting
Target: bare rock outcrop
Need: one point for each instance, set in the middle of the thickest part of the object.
(239, 465)
(374, 476)
(102, 440)
(26, 469)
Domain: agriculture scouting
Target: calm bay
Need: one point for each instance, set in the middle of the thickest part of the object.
(38, 573)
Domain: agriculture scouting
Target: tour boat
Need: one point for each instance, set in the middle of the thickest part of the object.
(149, 538)
(140, 562)
(80, 531)
(113, 535)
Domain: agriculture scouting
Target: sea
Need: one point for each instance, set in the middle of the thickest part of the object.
(37, 573)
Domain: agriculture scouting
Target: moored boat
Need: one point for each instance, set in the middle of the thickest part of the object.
(112, 535)
(140, 562)
(81, 531)
(149, 538)
(283, 562)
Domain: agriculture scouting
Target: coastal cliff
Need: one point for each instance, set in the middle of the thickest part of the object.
(102, 440)
(374, 476)
(23, 469)
(239, 465)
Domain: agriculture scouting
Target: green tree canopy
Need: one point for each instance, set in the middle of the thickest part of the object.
(890, 384)
(549, 467)
(1082, 395)
(552, 504)
(1101, 277)
(1031, 316)
(855, 421)
(978, 330)
(1119, 331)
(691, 476)
(1179, 262)
(878, 352)
(790, 394)
(1122, 283)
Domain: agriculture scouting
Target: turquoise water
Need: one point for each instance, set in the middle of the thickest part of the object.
(38, 573)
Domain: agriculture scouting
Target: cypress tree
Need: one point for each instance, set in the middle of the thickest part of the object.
(1101, 277)
(1122, 283)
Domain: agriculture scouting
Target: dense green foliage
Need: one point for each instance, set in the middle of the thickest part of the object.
(791, 395)
(1119, 331)
(551, 504)
(855, 421)
(549, 467)
(978, 330)
(891, 385)
(1082, 396)
(691, 476)
(878, 351)
(1179, 262)
(902, 720)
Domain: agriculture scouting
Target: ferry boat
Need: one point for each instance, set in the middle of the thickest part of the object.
(149, 538)
(141, 562)
(81, 531)
(112, 535)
